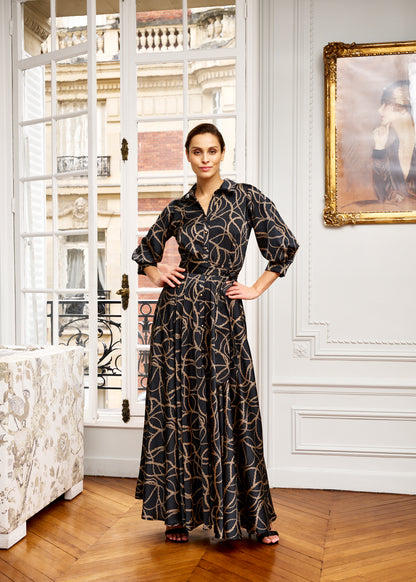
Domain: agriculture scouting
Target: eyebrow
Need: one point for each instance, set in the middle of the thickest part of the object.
(214, 147)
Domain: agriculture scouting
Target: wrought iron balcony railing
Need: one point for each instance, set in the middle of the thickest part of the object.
(80, 163)
(73, 330)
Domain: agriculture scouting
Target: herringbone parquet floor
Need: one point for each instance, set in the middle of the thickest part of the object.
(326, 536)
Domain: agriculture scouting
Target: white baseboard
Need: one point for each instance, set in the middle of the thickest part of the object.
(370, 481)
(105, 467)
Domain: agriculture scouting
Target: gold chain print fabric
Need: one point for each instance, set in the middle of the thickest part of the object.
(202, 458)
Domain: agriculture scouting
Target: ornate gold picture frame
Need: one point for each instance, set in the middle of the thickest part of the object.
(370, 118)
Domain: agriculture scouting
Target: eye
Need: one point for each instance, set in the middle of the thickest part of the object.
(213, 151)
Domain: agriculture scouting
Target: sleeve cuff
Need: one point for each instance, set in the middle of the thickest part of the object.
(379, 154)
(275, 268)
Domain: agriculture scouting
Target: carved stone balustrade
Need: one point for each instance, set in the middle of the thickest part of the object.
(207, 28)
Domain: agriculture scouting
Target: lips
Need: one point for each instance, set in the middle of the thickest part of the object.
(205, 168)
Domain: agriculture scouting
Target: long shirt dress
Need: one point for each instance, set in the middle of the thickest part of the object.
(202, 458)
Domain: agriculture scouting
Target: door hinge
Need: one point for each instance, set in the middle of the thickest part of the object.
(125, 410)
(11, 28)
(13, 205)
(245, 10)
(124, 149)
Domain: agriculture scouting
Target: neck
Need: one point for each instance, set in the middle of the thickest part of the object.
(209, 186)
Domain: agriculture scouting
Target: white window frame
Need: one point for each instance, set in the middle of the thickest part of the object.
(94, 416)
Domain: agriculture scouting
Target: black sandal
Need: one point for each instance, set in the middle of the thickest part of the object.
(177, 530)
(260, 537)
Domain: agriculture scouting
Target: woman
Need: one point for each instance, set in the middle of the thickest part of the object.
(202, 458)
(394, 157)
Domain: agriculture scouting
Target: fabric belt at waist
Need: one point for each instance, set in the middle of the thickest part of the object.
(208, 269)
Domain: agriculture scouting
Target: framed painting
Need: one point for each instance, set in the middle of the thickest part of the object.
(370, 118)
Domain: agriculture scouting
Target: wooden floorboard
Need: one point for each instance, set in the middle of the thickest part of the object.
(327, 536)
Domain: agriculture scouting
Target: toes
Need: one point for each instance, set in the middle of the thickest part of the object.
(270, 540)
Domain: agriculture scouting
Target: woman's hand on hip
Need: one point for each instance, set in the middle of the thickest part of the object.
(239, 291)
(172, 278)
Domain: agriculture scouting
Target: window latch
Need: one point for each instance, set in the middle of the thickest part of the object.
(125, 410)
(124, 149)
(124, 291)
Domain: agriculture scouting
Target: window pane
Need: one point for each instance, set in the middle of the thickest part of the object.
(72, 203)
(160, 89)
(158, 30)
(37, 310)
(37, 206)
(37, 27)
(71, 85)
(72, 144)
(73, 261)
(160, 147)
(227, 128)
(108, 36)
(145, 321)
(211, 87)
(36, 149)
(37, 262)
(36, 90)
(152, 198)
(109, 353)
(209, 26)
(73, 323)
(71, 23)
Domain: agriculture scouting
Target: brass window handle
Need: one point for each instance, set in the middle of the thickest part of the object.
(124, 291)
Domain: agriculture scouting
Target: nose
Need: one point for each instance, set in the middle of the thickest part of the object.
(382, 108)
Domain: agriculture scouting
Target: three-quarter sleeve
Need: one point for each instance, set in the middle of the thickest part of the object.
(150, 250)
(276, 242)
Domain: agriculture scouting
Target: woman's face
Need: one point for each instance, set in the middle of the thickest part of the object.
(389, 112)
(205, 155)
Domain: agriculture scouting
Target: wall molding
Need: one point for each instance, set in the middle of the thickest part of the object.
(338, 386)
(322, 344)
(301, 446)
(344, 480)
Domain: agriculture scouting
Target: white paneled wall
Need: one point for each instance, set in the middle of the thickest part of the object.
(342, 326)
(336, 349)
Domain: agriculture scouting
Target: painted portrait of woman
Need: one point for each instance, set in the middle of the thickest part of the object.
(375, 134)
(394, 158)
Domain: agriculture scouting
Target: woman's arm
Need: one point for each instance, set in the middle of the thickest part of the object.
(239, 291)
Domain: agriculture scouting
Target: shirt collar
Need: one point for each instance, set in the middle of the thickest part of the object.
(226, 185)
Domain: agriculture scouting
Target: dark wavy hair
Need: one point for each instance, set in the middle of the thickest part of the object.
(397, 93)
(205, 128)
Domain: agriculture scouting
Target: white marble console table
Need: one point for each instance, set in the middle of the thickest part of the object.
(41, 432)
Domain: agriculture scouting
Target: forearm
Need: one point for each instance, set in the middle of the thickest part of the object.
(153, 274)
(239, 291)
(264, 281)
